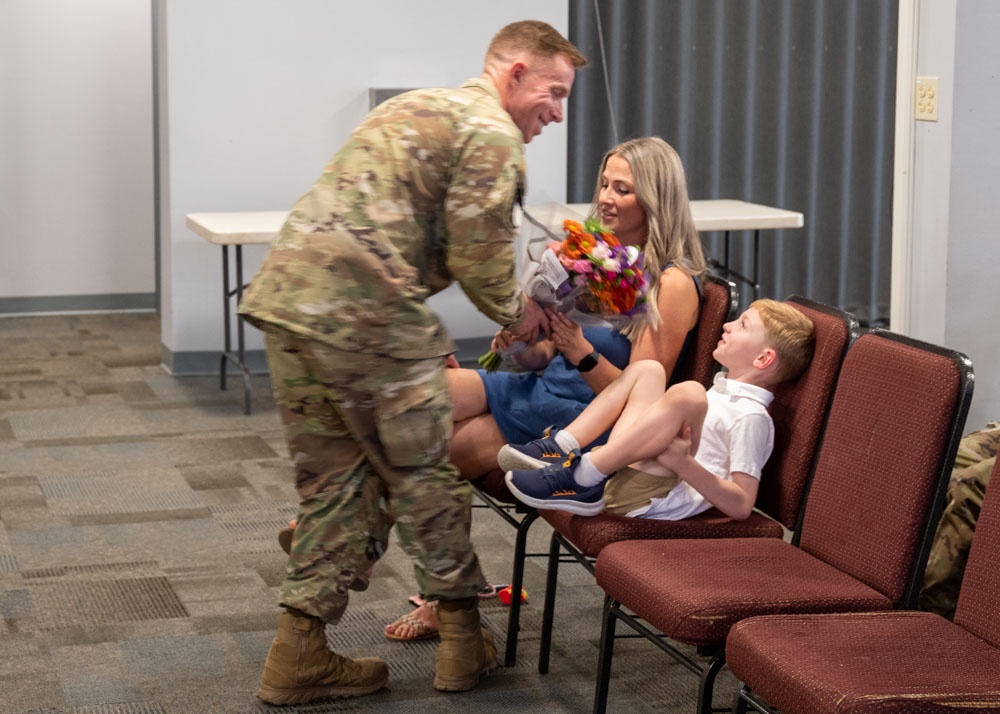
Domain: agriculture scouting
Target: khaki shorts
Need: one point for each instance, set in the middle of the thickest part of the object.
(630, 489)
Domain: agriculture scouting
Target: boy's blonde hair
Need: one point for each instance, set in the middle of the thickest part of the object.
(789, 333)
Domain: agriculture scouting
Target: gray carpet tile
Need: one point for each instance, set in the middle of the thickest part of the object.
(139, 568)
(100, 421)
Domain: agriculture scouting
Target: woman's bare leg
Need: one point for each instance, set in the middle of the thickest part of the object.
(468, 395)
(474, 446)
(639, 386)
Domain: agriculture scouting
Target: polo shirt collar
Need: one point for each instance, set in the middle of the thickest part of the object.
(737, 390)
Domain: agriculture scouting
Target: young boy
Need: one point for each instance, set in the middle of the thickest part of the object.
(687, 449)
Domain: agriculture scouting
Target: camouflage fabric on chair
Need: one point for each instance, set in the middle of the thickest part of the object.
(974, 463)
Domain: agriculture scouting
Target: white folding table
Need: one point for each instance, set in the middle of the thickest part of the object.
(256, 227)
(729, 215)
(237, 230)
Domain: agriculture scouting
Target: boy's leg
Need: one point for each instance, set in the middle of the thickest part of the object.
(638, 384)
(651, 420)
(643, 434)
(638, 387)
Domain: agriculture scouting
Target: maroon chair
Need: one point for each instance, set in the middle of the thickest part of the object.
(894, 426)
(882, 662)
(719, 302)
(799, 411)
(718, 306)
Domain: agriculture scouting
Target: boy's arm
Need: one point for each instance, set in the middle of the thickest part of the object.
(734, 498)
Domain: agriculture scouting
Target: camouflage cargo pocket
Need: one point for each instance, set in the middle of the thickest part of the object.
(414, 421)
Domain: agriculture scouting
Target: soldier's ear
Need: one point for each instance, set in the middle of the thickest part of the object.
(517, 71)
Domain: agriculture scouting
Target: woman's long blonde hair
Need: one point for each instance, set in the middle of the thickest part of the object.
(671, 236)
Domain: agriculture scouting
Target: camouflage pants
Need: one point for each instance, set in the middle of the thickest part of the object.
(974, 463)
(369, 439)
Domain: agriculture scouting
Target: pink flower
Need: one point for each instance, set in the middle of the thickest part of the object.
(601, 251)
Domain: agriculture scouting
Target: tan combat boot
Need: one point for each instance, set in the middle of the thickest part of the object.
(300, 668)
(466, 651)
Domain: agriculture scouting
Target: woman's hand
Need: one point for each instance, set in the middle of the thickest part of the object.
(567, 336)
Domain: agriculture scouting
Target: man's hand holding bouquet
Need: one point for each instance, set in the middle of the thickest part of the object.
(589, 276)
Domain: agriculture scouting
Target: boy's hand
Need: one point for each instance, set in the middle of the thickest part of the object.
(678, 452)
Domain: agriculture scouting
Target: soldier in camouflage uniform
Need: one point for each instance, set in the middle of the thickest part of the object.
(974, 462)
(422, 194)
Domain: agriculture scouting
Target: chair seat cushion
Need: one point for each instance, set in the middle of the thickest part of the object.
(856, 663)
(666, 583)
(591, 533)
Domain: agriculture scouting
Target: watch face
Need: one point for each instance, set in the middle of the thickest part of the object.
(588, 362)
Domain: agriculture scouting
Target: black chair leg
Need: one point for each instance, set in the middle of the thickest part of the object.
(707, 685)
(747, 700)
(548, 612)
(604, 658)
(516, 585)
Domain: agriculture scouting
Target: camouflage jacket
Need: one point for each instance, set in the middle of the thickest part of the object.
(421, 194)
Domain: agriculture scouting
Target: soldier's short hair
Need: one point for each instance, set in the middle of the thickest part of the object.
(536, 37)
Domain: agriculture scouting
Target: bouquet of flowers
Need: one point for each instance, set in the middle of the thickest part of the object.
(590, 276)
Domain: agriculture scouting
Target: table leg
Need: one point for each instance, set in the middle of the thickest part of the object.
(753, 280)
(236, 358)
(726, 255)
(756, 264)
(226, 343)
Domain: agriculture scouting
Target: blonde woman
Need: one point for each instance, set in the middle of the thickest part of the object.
(642, 196)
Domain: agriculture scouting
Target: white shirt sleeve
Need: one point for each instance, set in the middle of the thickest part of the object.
(751, 441)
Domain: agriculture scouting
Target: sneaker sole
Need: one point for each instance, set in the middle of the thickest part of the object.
(577, 507)
(511, 459)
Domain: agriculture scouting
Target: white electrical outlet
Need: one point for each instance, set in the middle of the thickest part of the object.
(926, 99)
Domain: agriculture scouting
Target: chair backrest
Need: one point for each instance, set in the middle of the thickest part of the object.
(799, 411)
(978, 611)
(718, 306)
(890, 441)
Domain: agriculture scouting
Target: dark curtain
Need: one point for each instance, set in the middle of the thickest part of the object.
(788, 103)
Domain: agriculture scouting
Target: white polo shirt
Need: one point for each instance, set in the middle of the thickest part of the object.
(738, 435)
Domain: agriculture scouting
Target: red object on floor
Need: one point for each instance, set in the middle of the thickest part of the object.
(505, 595)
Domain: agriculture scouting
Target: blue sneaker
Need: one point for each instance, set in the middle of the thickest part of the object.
(553, 488)
(535, 454)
